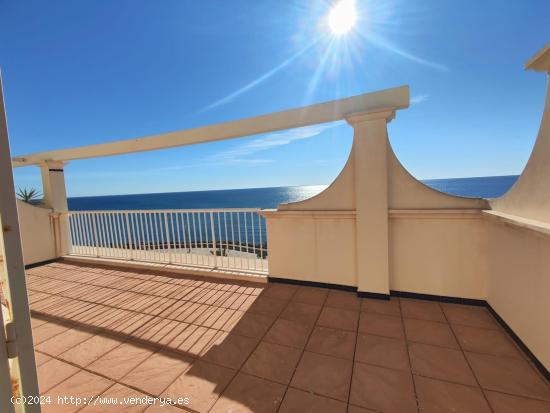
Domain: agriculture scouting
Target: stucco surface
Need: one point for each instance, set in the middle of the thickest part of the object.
(439, 254)
(36, 233)
(519, 284)
(530, 196)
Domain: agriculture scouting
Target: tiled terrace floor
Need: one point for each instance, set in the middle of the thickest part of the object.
(229, 346)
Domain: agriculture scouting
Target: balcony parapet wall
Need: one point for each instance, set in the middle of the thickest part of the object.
(418, 240)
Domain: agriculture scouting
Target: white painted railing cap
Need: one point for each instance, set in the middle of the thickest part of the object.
(394, 98)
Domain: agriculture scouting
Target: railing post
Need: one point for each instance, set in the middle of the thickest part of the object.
(96, 240)
(213, 235)
(128, 237)
(167, 239)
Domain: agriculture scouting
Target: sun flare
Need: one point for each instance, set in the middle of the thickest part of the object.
(342, 17)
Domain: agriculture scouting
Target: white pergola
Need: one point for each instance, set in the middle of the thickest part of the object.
(52, 162)
(395, 98)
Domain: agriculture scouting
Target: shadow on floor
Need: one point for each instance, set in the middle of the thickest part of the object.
(224, 345)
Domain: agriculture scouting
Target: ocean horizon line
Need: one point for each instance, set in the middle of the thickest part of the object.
(279, 187)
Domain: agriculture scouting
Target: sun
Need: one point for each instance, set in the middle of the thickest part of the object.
(342, 17)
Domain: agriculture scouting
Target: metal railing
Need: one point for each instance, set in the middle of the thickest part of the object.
(217, 238)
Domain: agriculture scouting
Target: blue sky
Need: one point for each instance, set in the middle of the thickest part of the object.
(79, 73)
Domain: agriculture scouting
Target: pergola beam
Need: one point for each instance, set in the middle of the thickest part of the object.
(395, 98)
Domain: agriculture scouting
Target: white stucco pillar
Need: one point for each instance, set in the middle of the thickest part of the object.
(55, 197)
(370, 147)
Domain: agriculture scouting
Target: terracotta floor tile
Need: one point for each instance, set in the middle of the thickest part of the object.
(226, 285)
(183, 293)
(63, 342)
(50, 305)
(300, 312)
(469, 316)
(122, 395)
(243, 302)
(338, 318)
(160, 331)
(48, 330)
(430, 332)
(422, 310)
(357, 409)
(508, 375)
(332, 342)
(273, 362)
(230, 322)
(194, 340)
(248, 394)
(41, 358)
(230, 299)
(217, 317)
(209, 297)
(289, 333)
(440, 363)
(120, 361)
(310, 295)
(298, 401)
(323, 375)
(345, 300)
(229, 350)
(158, 408)
(279, 291)
(382, 389)
(90, 350)
(52, 373)
(267, 306)
(83, 384)
(436, 396)
(202, 384)
(381, 325)
(37, 322)
(87, 314)
(251, 325)
(157, 372)
(128, 325)
(505, 403)
(185, 311)
(382, 351)
(482, 340)
(387, 307)
(251, 288)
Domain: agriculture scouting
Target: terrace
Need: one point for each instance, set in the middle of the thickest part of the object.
(242, 346)
(379, 294)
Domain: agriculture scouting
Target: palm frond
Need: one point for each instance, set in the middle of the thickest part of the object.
(30, 196)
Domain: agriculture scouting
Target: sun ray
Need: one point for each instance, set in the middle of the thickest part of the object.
(319, 71)
(387, 45)
(260, 79)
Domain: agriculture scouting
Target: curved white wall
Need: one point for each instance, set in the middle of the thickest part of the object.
(430, 252)
(530, 196)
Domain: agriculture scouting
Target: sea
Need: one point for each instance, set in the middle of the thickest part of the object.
(483, 187)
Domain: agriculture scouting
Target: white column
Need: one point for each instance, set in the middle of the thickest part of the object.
(370, 148)
(55, 197)
(53, 184)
